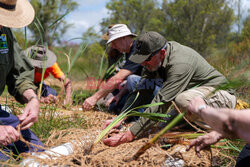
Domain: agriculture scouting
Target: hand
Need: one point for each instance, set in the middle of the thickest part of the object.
(30, 114)
(114, 98)
(119, 139)
(204, 141)
(89, 103)
(194, 105)
(8, 134)
(49, 99)
(107, 122)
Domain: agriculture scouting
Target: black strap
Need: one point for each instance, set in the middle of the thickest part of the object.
(6, 6)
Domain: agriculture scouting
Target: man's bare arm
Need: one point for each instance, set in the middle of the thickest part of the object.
(106, 88)
(229, 122)
(68, 89)
(112, 83)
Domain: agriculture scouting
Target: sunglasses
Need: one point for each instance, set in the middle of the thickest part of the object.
(150, 57)
(154, 53)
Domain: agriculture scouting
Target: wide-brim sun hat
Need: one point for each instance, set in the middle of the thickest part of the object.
(118, 31)
(16, 13)
(147, 44)
(40, 56)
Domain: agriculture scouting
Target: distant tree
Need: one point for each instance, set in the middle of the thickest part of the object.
(238, 4)
(90, 36)
(47, 12)
(246, 28)
(139, 15)
(239, 50)
(196, 23)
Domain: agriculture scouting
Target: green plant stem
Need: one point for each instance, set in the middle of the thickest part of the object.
(158, 135)
(25, 38)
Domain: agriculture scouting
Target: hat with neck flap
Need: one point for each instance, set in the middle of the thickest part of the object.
(40, 56)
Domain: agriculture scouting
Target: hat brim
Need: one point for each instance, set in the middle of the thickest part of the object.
(40, 64)
(138, 58)
(114, 37)
(21, 16)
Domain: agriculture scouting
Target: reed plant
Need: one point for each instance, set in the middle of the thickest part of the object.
(132, 112)
(50, 119)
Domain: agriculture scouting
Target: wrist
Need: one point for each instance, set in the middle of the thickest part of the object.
(33, 97)
(217, 135)
(130, 135)
(96, 97)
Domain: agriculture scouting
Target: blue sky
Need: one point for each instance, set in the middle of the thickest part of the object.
(90, 13)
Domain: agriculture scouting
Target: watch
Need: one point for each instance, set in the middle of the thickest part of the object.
(33, 97)
(200, 108)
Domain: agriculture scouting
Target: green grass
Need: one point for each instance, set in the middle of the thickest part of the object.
(80, 95)
(49, 120)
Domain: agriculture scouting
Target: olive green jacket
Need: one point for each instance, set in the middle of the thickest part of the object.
(182, 69)
(16, 71)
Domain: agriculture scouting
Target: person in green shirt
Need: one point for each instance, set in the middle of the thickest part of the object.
(185, 73)
(17, 73)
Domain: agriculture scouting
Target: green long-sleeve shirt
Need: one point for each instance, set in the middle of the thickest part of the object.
(182, 69)
(16, 70)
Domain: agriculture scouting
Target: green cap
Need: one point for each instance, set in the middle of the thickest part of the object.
(147, 44)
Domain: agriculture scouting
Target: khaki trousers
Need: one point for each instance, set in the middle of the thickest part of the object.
(220, 99)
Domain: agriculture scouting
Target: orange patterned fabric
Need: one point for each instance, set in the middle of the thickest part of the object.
(54, 70)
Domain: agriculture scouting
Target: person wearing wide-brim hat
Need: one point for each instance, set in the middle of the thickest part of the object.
(17, 74)
(41, 57)
(121, 38)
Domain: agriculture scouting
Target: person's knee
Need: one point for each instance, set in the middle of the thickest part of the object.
(132, 78)
(182, 100)
(132, 81)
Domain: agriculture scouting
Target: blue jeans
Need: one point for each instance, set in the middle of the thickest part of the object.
(134, 84)
(18, 147)
(46, 90)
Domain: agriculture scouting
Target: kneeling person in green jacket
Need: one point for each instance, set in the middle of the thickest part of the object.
(181, 69)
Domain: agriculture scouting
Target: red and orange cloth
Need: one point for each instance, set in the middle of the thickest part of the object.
(54, 70)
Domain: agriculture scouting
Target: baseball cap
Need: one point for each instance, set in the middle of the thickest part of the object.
(147, 44)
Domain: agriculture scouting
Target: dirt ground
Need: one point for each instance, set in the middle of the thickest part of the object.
(102, 155)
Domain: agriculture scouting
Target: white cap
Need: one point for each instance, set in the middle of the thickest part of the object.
(118, 31)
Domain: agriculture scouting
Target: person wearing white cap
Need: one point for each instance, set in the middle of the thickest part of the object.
(17, 73)
(120, 38)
